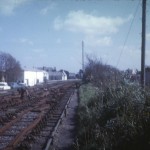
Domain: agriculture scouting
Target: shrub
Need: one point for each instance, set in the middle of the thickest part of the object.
(113, 118)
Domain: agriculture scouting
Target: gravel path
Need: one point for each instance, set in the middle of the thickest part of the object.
(65, 134)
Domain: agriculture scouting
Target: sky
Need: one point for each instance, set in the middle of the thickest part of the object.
(50, 32)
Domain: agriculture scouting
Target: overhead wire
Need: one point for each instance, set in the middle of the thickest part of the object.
(128, 33)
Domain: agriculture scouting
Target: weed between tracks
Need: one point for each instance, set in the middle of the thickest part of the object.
(115, 118)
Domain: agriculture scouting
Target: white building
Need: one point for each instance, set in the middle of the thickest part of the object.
(72, 76)
(33, 76)
(57, 75)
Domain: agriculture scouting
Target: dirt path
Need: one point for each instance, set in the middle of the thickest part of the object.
(65, 135)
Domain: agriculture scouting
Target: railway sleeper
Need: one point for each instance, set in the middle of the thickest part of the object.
(44, 128)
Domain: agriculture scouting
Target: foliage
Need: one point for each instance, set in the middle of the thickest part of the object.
(9, 67)
(115, 118)
(113, 113)
(99, 73)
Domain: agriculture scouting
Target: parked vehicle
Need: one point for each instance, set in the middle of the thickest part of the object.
(4, 86)
(14, 85)
(22, 85)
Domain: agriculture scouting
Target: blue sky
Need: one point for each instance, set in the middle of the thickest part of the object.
(50, 32)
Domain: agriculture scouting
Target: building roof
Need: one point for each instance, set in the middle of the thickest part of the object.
(34, 70)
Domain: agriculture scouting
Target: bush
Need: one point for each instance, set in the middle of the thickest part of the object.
(113, 118)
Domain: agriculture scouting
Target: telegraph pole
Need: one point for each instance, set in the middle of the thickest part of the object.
(143, 43)
(83, 56)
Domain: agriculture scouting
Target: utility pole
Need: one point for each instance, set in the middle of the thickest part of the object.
(83, 56)
(143, 43)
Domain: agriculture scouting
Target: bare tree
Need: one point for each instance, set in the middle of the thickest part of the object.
(10, 68)
(99, 73)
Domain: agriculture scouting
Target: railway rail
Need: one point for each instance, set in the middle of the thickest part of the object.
(30, 123)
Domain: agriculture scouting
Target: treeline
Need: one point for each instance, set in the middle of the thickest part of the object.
(112, 114)
(101, 74)
(10, 68)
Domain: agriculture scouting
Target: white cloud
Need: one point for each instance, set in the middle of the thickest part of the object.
(58, 23)
(93, 41)
(79, 21)
(7, 7)
(23, 41)
(148, 36)
(45, 10)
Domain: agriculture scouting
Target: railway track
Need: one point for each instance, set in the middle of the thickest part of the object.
(30, 123)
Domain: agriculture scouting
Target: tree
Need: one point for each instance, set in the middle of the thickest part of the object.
(10, 68)
(99, 73)
(80, 73)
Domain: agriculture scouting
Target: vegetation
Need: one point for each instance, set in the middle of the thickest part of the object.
(112, 116)
(9, 67)
(99, 73)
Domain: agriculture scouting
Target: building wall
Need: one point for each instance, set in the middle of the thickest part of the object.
(33, 77)
(72, 76)
(46, 76)
(57, 76)
(64, 76)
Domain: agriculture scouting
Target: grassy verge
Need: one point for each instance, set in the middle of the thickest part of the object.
(113, 118)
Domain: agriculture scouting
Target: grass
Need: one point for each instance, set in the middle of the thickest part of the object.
(113, 118)
(86, 92)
